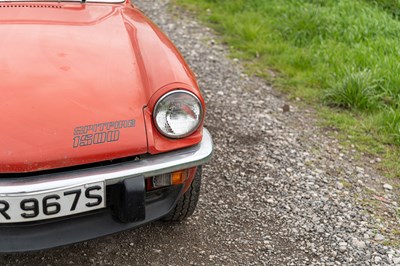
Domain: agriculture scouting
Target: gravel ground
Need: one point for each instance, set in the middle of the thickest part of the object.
(279, 191)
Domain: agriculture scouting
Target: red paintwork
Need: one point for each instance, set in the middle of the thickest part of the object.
(64, 65)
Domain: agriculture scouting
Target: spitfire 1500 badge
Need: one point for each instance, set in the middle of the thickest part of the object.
(100, 133)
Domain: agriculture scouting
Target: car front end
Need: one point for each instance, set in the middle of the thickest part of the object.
(103, 124)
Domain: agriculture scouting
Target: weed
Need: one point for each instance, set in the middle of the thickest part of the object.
(352, 90)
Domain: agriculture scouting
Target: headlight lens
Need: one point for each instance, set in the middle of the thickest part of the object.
(178, 114)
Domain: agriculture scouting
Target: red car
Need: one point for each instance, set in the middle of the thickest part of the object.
(102, 124)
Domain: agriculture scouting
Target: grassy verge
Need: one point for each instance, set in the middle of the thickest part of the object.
(341, 56)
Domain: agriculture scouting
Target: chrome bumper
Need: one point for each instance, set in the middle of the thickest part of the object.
(153, 165)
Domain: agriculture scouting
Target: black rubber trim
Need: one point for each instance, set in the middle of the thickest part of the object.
(129, 200)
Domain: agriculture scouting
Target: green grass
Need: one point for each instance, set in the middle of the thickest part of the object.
(390, 6)
(341, 56)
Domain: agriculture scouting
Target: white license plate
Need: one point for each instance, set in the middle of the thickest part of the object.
(30, 207)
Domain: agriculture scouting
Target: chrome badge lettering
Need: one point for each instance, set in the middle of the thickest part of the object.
(100, 133)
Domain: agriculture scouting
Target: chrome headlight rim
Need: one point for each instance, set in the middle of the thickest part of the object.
(160, 100)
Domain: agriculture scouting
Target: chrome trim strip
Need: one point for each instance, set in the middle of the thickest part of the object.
(153, 165)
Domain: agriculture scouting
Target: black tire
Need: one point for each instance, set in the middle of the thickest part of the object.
(187, 202)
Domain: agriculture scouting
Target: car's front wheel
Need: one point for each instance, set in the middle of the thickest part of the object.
(188, 201)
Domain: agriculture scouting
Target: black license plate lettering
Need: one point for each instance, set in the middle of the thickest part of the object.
(77, 193)
(4, 206)
(98, 199)
(30, 205)
(51, 208)
(20, 207)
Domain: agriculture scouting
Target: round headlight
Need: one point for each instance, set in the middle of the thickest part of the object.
(178, 114)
